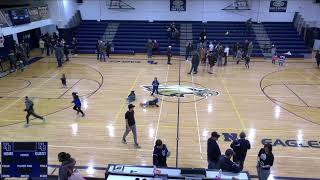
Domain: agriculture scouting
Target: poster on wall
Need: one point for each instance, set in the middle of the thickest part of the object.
(34, 14)
(178, 5)
(278, 6)
(43, 12)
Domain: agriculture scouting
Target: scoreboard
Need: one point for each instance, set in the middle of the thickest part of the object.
(24, 159)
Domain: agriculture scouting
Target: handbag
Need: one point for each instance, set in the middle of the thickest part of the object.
(75, 175)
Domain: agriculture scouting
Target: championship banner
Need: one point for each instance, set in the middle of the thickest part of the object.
(34, 14)
(43, 12)
(278, 6)
(178, 5)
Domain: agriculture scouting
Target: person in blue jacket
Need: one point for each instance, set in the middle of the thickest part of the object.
(155, 86)
(77, 104)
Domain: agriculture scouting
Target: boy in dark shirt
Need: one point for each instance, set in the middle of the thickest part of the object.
(130, 126)
(240, 148)
(160, 154)
(225, 163)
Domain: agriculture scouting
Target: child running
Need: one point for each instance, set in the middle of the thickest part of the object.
(64, 81)
(274, 58)
(77, 104)
(282, 60)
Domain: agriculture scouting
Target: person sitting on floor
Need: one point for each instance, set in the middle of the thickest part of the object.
(131, 97)
(153, 102)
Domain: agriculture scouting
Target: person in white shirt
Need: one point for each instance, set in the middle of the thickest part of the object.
(226, 54)
(41, 45)
(211, 46)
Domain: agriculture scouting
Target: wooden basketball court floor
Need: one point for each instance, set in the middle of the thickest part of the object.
(269, 103)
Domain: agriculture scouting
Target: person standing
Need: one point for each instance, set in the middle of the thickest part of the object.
(189, 49)
(225, 163)
(155, 86)
(66, 51)
(273, 50)
(250, 48)
(226, 54)
(318, 58)
(160, 154)
(169, 55)
(240, 148)
(63, 81)
(108, 49)
(247, 61)
(13, 61)
(130, 126)
(41, 45)
(30, 111)
(264, 162)
(102, 51)
(59, 54)
(194, 63)
(77, 104)
(149, 46)
(213, 151)
(67, 165)
(235, 48)
(282, 59)
(98, 49)
(74, 45)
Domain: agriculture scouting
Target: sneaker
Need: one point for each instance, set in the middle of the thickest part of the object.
(137, 146)
(83, 115)
(124, 141)
(26, 125)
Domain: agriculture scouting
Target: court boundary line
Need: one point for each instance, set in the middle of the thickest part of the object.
(197, 117)
(276, 102)
(89, 95)
(243, 126)
(124, 102)
(161, 105)
(297, 95)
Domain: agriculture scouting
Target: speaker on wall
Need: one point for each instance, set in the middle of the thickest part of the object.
(79, 1)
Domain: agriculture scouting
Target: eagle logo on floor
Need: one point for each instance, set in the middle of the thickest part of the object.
(182, 90)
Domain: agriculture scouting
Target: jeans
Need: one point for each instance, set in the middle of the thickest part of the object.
(155, 89)
(134, 132)
(194, 68)
(102, 56)
(263, 174)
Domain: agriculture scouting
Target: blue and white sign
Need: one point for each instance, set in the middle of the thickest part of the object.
(278, 6)
(177, 5)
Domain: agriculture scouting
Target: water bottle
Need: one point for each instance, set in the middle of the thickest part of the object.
(218, 177)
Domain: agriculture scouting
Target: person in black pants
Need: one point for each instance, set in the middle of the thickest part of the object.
(77, 104)
(1, 65)
(213, 151)
(240, 148)
(160, 154)
(66, 51)
(189, 49)
(108, 50)
(30, 111)
(318, 58)
(264, 162)
(194, 63)
(169, 55)
(155, 86)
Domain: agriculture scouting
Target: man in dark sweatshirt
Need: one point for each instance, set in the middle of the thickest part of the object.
(30, 111)
(194, 62)
(240, 148)
(225, 163)
(213, 151)
(160, 154)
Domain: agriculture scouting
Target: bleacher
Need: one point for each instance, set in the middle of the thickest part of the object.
(88, 33)
(132, 36)
(217, 31)
(285, 37)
